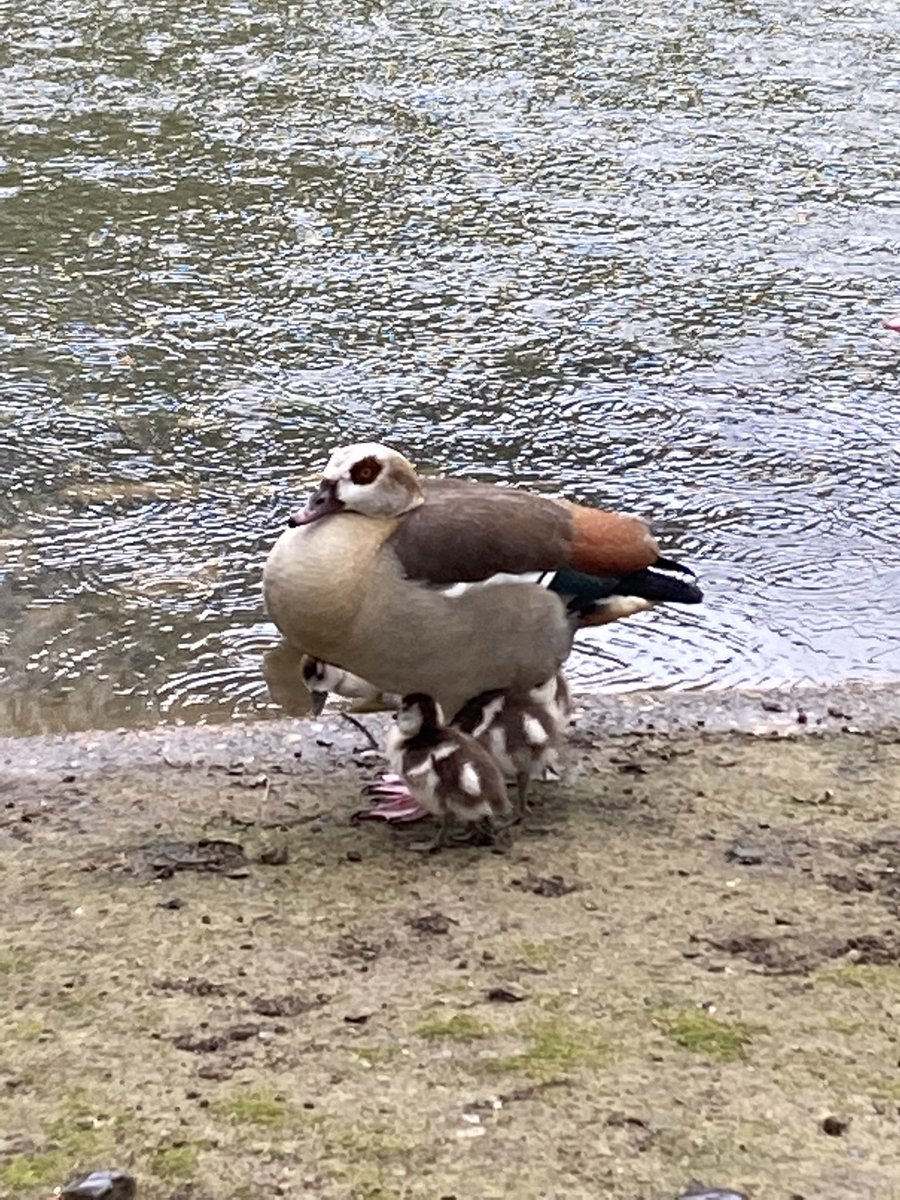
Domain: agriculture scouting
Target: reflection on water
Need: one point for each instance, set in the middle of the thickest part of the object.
(639, 255)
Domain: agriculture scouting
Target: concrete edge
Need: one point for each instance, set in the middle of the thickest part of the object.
(853, 708)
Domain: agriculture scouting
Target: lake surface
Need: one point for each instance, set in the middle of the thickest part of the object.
(639, 255)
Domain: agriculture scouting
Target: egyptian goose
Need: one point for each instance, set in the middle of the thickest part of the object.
(447, 771)
(450, 587)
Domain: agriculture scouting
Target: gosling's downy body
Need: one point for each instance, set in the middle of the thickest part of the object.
(522, 730)
(447, 771)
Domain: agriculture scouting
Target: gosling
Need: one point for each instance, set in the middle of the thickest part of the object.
(447, 771)
(522, 729)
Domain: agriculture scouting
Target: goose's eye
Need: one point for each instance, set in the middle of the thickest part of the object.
(365, 471)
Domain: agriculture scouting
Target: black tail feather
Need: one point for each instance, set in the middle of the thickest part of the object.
(665, 581)
(654, 584)
(669, 564)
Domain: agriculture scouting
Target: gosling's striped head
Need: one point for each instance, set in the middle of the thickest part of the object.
(417, 713)
(318, 678)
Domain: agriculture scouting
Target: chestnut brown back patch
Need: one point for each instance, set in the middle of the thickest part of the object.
(366, 470)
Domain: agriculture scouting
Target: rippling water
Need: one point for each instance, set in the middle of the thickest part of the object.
(636, 254)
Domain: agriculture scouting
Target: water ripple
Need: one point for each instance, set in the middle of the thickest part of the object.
(638, 257)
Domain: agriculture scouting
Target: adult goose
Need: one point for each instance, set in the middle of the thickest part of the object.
(453, 588)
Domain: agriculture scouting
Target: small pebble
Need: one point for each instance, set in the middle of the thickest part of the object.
(98, 1185)
(835, 1126)
(504, 995)
(697, 1191)
(274, 856)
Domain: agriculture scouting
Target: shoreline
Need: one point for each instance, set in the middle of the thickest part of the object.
(779, 712)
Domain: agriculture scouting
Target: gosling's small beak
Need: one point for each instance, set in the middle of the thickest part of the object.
(321, 503)
(318, 702)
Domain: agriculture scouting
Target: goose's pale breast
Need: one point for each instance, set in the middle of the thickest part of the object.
(316, 578)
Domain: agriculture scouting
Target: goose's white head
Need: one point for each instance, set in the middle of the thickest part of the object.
(365, 478)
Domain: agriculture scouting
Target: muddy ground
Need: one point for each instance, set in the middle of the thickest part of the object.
(686, 968)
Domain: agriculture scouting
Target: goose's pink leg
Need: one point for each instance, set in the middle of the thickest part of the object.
(393, 803)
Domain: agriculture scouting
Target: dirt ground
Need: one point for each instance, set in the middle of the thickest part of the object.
(686, 968)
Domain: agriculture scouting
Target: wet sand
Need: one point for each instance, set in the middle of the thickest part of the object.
(686, 966)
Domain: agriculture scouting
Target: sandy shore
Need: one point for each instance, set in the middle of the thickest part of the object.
(686, 967)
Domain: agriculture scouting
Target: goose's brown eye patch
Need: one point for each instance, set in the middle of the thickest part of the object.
(366, 470)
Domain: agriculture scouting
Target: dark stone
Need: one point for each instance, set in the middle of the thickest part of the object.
(192, 985)
(286, 1006)
(274, 856)
(434, 923)
(100, 1185)
(502, 995)
(699, 1191)
(745, 854)
(552, 885)
(835, 1126)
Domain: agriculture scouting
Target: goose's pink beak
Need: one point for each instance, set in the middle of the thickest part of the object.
(321, 503)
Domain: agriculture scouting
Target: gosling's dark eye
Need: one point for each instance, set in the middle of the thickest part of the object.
(365, 471)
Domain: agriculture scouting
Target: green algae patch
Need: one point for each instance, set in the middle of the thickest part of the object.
(174, 1163)
(554, 1045)
(461, 1027)
(701, 1033)
(29, 1029)
(16, 962)
(256, 1108)
(21, 1172)
(864, 975)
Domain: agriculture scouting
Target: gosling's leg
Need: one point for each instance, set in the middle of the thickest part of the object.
(440, 839)
(520, 807)
(501, 834)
